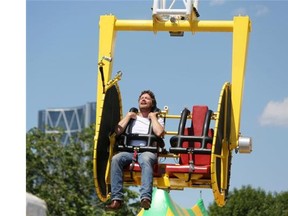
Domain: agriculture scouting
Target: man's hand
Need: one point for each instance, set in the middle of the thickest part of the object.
(131, 115)
(152, 115)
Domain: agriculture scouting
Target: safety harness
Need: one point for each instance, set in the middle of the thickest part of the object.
(134, 160)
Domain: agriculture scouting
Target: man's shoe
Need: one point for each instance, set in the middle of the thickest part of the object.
(145, 203)
(114, 205)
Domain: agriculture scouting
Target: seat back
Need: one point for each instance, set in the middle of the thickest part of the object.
(199, 128)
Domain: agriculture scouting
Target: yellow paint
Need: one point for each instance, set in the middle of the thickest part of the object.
(196, 209)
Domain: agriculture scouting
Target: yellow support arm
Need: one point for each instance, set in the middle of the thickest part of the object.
(241, 29)
(107, 35)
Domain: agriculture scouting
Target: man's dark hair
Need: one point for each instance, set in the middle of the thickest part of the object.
(154, 102)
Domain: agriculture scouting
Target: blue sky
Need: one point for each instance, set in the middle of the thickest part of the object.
(61, 71)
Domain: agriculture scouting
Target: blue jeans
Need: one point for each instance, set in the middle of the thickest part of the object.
(146, 161)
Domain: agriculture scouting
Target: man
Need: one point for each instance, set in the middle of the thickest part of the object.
(147, 103)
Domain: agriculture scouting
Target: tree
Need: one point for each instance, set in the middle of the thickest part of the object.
(62, 174)
(252, 202)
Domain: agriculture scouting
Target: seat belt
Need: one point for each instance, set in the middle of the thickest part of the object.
(134, 160)
(191, 164)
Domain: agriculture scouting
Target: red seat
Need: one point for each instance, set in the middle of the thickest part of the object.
(196, 129)
(199, 161)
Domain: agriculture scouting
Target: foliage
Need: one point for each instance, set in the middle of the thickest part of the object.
(62, 175)
(252, 202)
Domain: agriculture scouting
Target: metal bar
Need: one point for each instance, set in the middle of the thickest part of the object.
(193, 26)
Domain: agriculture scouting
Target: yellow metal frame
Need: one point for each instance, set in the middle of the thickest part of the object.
(220, 192)
(240, 27)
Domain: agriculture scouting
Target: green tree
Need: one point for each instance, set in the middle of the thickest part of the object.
(62, 175)
(252, 202)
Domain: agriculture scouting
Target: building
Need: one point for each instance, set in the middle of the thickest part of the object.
(72, 119)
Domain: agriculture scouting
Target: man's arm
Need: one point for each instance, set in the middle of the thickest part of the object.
(123, 123)
(158, 129)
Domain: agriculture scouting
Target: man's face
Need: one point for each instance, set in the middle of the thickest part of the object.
(145, 102)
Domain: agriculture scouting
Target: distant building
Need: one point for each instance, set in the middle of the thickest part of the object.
(72, 119)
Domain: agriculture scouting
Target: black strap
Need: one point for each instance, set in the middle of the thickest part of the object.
(134, 160)
(102, 77)
(191, 165)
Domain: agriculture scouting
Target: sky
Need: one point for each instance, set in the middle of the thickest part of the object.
(61, 71)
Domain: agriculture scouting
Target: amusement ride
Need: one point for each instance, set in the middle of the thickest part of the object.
(203, 154)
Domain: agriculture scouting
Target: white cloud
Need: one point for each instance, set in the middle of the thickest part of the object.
(275, 113)
(240, 12)
(261, 10)
(258, 10)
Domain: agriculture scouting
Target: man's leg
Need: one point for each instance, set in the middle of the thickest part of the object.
(118, 162)
(147, 160)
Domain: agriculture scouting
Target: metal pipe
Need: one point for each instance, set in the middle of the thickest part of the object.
(194, 26)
